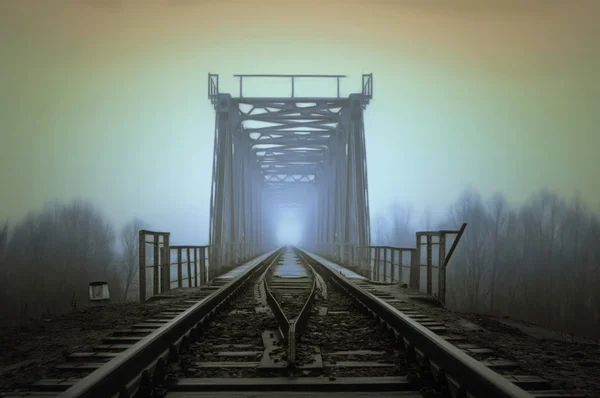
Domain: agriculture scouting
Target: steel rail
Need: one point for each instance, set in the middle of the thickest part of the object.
(121, 375)
(280, 317)
(298, 324)
(464, 374)
(292, 328)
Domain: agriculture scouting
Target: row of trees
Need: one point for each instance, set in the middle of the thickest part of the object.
(539, 261)
(48, 259)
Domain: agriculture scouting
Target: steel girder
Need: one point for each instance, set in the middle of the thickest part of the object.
(236, 217)
(298, 154)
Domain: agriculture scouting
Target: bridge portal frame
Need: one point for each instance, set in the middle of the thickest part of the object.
(318, 141)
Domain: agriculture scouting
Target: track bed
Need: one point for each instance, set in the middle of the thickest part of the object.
(349, 340)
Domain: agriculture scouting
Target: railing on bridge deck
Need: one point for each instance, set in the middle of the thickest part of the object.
(190, 266)
(213, 87)
(183, 266)
(402, 265)
(367, 89)
(367, 84)
(292, 81)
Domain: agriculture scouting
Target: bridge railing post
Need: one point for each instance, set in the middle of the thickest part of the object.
(442, 268)
(385, 264)
(400, 264)
(375, 270)
(377, 263)
(179, 268)
(415, 272)
(203, 254)
(160, 263)
(196, 266)
(189, 266)
(155, 266)
(142, 265)
(429, 264)
(392, 264)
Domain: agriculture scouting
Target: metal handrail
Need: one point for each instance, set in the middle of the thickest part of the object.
(292, 77)
(213, 87)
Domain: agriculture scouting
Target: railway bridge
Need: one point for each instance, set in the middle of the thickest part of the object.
(290, 298)
(293, 170)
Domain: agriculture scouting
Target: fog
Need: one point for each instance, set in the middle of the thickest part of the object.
(107, 104)
(537, 261)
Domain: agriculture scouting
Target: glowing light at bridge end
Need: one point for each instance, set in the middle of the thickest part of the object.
(289, 230)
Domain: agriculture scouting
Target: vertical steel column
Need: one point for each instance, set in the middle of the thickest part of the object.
(360, 164)
(354, 199)
(222, 198)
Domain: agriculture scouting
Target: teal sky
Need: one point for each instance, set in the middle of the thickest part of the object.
(109, 103)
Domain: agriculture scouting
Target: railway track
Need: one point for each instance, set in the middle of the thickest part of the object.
(289, 322)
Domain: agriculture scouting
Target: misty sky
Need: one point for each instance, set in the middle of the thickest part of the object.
(109, 102)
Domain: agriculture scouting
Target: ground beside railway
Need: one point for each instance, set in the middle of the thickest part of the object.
(570, 364)
(29, 351)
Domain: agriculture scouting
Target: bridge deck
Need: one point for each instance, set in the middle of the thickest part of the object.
(289, 266)
(344, 271)
(234, 273)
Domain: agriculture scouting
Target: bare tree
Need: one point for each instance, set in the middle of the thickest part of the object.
(53, 254)
(472, 252)
(539, 261)
(427, 218)
(402, 232)
(380, 230)
(129, 262)
(394, 226)
(498, 213)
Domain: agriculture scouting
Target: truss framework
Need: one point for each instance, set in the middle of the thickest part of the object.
(302, 153)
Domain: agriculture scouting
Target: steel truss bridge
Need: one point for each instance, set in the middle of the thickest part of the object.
(281, 163)
(273, 153)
